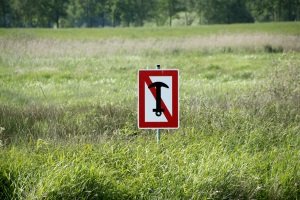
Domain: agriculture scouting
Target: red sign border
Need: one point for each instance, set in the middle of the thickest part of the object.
(174, 122)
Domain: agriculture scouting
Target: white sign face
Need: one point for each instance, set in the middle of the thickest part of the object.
(158, 99)
(166, 97)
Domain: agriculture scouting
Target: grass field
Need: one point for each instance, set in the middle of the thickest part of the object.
(68, 113)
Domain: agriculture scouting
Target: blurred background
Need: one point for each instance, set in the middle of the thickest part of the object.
(101, 13)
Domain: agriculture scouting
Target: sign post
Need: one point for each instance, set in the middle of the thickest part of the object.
(158, 131)
(158, 99)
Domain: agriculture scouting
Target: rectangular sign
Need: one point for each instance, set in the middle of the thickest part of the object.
(158, 103)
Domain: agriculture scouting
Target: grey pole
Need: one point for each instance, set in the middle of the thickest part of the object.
(157, 130)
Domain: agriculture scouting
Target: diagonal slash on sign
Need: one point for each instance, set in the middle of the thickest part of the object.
(163, 105)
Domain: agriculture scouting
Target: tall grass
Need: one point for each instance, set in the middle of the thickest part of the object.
(68, 120)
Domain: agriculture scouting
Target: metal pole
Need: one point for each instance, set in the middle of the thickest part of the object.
(157, 130)
(157, 135)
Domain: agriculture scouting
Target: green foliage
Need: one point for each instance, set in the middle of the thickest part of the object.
(275, 10)
(68, 114)
(6, 189)
(95, 13)
(216, 11)
(268, 48)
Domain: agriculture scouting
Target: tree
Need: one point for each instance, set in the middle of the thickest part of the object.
(5, 11)
(90, 13)
(166, 10)
(173, 6)
(274, 10)
(57, 10)
(290, 10)
(144, 10)
(189, 7)
(225, 11)
(126, 11)
(24, 13)
(94, 13)
(103, 10)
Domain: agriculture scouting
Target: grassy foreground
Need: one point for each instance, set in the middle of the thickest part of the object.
(68, 127)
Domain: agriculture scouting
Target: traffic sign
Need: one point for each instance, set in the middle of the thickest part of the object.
(158, 99)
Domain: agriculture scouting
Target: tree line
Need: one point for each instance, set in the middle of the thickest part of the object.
(100, 13)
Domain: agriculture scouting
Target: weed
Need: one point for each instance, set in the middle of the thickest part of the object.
(2, 136)
(269, 49)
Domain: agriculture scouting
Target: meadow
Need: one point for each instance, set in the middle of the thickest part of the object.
(68, 113)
